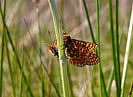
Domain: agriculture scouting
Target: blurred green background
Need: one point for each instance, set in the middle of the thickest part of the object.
(29, 21)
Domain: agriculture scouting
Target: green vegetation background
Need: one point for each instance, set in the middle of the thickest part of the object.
(38, 72)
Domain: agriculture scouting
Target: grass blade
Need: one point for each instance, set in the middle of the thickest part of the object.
(117, 43)
(41, 61)
(14, 50)
(10, 69)
(127, 53)
(89, 22)
(2, 48)
(60, 44)
(92, 37)
(43, 87)
(21, 81)
(101, 77)
(110, 81)
(113, 48)
(2, 58)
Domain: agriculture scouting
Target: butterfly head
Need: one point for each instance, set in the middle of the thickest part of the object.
(66, 38)
(53, 50)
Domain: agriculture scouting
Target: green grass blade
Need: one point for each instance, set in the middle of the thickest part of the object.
(127, 53)
(21, 80)
(89, 22)
(2, 48)
(1, 64)
(98, 42)
(110, 81)
(92, 37)
(70, 81)
(46, 70)
(44, 67)
(15, 52)
(10, 69)
(113, 47)
(60, 44)
(43, 86)
(101, 77)
(40, 52)
(117, 43)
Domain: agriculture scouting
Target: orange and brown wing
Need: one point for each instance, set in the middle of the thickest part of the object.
(91, 47)
(92, 59)
(78, 62)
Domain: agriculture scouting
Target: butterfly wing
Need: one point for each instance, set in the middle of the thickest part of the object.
(91, 59)
(91, 47)
(78, 62)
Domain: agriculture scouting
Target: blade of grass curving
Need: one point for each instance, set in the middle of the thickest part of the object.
(10, 68)
(15, 52)
(113, 47)
(127, 53)
(60, 44)
(117, 43)
(101, 77)
(110, 81)
(89, 22)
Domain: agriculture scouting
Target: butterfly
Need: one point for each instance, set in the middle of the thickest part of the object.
(79, 53)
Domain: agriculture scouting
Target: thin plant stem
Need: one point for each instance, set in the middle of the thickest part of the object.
(15, 52)
(21, 82)
(42, 86)
(98, 42)
(110, 81)
(44, 67)
(89, 22)
(127, 52)
(60, 44)
(92, 37)
(117, 43)
(10, 69)
(101, 77)
(2, 48)
(113, 47)
(70, 81)
(2, 58)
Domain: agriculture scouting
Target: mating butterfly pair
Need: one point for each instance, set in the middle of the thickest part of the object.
(78, 52)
